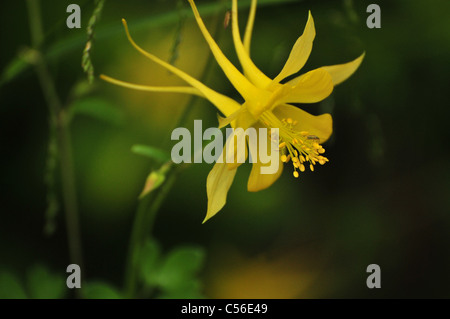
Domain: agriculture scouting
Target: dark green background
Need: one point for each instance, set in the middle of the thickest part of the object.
(382, 199)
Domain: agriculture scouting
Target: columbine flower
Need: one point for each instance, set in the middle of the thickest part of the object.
(267, 103)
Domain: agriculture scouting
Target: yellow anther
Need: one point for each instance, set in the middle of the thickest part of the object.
(316, 145)
(296, 165)
(295, 159)
(302, 158)
(295, 174)
(307, 158)
(282, 145)
(289, 120)
(304, 133)
(295, 141)
(288, 158)
(322, 150)
(295, 153)
(311, 167)
(284, 158)
(302, 167)
(321, 161)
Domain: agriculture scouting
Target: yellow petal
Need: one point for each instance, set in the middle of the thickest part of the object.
(224, 121)
(342, 72)
(320, 126)
(300, 51)
(249, 27)
(217, 185)
(311, 87)
(232, 159)
(258, 181)
(245, 118)
(170, 89)
(225, 104)
(239, 81)
(251, 71)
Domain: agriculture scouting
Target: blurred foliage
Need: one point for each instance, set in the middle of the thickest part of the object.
(40, 283)
(100, 290)
(151, 152)
(173, 274)
(383, 198)
(97, 108)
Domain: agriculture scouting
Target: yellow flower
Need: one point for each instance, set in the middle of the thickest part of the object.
(266, 103)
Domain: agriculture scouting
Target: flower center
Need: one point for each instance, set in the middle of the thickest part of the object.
(300, 147)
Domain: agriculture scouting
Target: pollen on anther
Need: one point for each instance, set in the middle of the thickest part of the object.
(282, 145)
(285, 158)
(296, 174)
(302, 168)
(311, 167)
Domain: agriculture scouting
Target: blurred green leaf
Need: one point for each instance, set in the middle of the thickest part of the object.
(149, 263)
(97, 108)
(151, 152)
(13, 69)
(100, 290)
(188, 289)
(42, 284)
(10, 286)
(179, 267)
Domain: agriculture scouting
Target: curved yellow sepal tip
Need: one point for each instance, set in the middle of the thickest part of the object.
(342, 72)
(206, 219)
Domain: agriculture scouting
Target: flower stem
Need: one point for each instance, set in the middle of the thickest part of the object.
(143, 223)
(58, 121)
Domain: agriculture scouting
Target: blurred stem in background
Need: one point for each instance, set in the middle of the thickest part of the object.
(59, 130)
(86, 62)
(149, 204)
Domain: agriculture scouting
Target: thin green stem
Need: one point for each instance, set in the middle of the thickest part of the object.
(60, 122)
(34, 16)
(143, 223)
